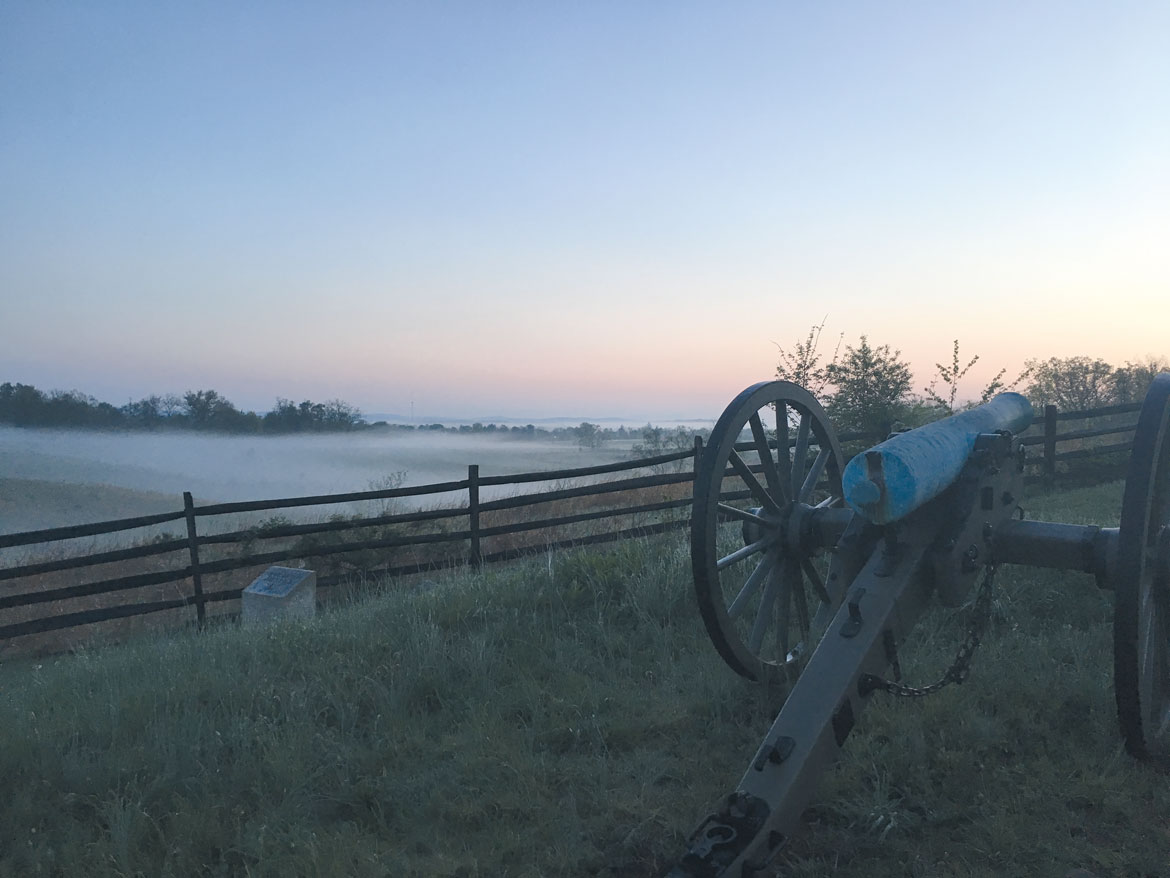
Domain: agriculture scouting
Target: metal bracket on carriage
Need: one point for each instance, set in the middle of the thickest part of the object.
(723, 837)
(775, 752)
(891, 552)
(851, 627)
(981, 500)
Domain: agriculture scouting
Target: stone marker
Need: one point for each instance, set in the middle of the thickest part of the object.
(280, 593)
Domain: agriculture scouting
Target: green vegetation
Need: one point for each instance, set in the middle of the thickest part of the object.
(867, 388)
(25, 406)
(1078, 383)
(564, 717)
(589, 435)
(870, 386)
(952, 374)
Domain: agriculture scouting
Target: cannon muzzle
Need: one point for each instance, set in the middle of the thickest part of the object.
(892, 479)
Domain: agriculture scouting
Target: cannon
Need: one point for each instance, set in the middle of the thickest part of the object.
(811, 572)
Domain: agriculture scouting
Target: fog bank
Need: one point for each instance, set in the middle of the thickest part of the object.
(228, 468)
(251, 468)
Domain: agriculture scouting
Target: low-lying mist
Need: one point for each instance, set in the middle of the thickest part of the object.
(228, 468)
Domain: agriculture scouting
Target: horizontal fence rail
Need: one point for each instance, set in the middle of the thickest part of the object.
(455, 528)
(461, 526)
(1048, 438)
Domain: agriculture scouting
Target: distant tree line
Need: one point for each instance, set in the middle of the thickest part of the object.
(1079, 383)
(23, 405)
(585, 434)
(869, 388)
(649, 441)
(26, 406)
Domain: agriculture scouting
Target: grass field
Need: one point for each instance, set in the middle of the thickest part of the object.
(33, 504)
(564, 716)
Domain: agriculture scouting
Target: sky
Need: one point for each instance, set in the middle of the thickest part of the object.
(605, 209)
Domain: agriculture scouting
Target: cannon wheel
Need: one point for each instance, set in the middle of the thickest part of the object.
(1141, 620)
(751, 578)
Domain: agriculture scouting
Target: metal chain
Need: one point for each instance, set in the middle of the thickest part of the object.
(959, 670)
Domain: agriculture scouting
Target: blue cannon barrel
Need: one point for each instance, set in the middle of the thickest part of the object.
(894, 478)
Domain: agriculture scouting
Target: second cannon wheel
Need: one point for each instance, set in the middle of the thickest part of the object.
(1141, 614)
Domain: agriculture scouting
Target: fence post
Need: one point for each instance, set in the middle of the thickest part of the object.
(473, 514)
(193, 547)
(1049, 443)
(698, 453)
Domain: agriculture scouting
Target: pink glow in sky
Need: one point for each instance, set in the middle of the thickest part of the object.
(592, 210)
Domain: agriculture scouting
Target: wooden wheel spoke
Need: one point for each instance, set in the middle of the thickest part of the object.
(758, 491)
(764, 613)
(783, 463)
(784, 610)
(744, 515)
(800, 600)
(810, 480)
(746, 552)
(771, 473)
(815, 581)
(751, 586)
(800, 452)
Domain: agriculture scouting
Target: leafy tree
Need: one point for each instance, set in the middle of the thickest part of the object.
(201, 406)
(1131, 381)
(21, 404)
(802, 365)
(283, 418)
(588, 435)
(290, 417)
(208, 410)
(340, 415)
(1070, 383)
(147, 412)
(870, 388)
(70, 407)
(26, 406)
(312, 414)
(661, 440)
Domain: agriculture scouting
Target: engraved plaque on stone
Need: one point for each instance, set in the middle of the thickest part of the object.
(280, 593)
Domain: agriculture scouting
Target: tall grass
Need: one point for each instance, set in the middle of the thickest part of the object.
(562, 716)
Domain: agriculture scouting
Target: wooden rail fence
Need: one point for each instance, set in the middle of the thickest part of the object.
(652, 492)
(320, 539)
(1049, 437)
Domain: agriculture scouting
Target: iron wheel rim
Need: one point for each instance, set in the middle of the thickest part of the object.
(1141, 616)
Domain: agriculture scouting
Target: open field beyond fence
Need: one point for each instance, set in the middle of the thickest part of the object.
(199, 558)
